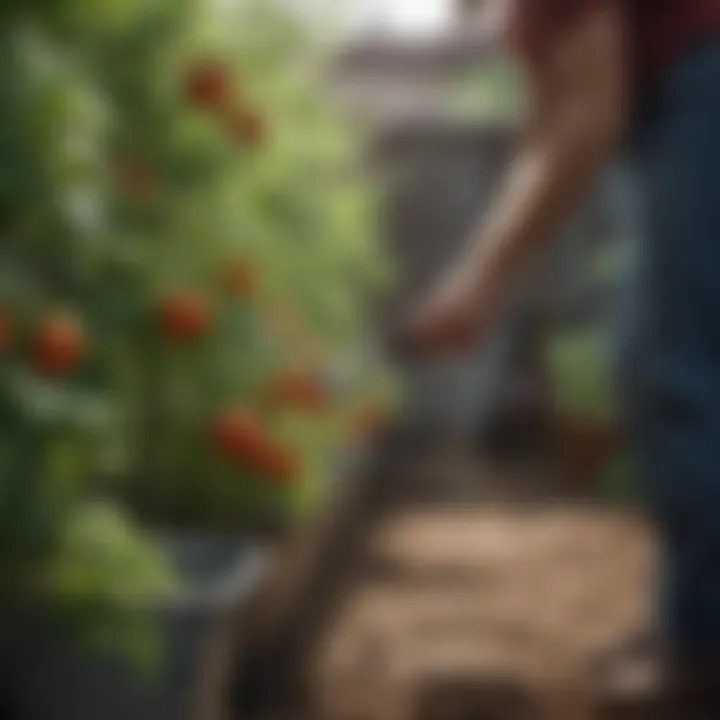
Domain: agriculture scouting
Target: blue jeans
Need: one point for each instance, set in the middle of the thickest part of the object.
(672, 364)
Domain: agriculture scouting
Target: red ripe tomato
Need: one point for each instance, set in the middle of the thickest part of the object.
(185, 316)
(243, 439)
(300, 390)
(59, 345)
(239, 435)
(281, 465)
(239, 279)
(209, 85)
(247, 126)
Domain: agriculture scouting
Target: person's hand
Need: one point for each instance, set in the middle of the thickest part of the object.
(453, 319)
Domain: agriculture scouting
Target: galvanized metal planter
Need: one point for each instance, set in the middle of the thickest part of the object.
(43, 679)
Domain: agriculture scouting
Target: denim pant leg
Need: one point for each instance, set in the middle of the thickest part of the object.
(676, 356)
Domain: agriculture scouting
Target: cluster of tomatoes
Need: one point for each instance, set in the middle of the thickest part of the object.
(186, 315)
(59, 341)
(242, 436)
(210, 86)
(243, 439)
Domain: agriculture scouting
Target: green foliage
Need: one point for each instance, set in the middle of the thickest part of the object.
(123, 187)
(619, 481)
(581, 373)
(291, 205)
(107, 583)
(101, 547)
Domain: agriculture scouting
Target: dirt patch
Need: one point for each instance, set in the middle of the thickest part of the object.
(506, 607)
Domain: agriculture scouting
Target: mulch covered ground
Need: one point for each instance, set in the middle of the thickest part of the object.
(485, 613)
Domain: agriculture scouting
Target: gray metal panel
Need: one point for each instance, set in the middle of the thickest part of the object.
(47, 681)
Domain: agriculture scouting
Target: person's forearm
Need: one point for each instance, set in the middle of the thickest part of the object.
(544, 185)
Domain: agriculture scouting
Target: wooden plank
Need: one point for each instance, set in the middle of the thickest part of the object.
(312, 571)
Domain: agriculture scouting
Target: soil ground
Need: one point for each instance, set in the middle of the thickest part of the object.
(484, 612)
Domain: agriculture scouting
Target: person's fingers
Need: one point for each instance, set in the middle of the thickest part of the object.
(451, 322)
(415, 335)
(433, 334)
(402, 342)
(406, 337)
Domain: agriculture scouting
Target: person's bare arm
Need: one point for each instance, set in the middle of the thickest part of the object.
(577, 119)
(577, 116)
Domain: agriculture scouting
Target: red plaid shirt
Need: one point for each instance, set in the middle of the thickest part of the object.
(659, 29)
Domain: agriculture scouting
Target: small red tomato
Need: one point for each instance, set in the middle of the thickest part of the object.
(239, 278)
(247, 126)
(280, 464)
(243, 439)
(185, 316)
(240, 436)
(300, 390)
(209, 85)
(59, 345)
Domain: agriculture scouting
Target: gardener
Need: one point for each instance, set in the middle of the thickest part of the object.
(644, 75)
